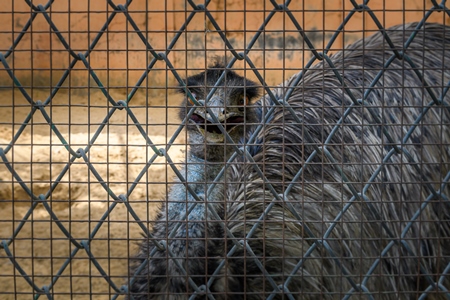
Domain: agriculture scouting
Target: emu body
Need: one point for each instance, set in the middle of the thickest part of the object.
(352, 211)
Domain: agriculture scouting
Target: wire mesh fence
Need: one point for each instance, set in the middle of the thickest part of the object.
(90, 145)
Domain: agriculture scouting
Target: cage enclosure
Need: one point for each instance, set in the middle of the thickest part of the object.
(224, 149)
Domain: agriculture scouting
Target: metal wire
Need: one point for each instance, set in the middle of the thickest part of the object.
(82, 154)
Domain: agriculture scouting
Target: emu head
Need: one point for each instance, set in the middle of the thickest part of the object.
(230, 104)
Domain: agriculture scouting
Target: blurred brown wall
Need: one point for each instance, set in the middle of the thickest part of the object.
(120, 57)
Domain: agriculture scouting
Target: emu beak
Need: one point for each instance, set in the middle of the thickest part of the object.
(208, 127)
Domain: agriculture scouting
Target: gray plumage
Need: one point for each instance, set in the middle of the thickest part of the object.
(320, 194)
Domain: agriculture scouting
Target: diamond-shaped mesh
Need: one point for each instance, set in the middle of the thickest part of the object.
(38, 200)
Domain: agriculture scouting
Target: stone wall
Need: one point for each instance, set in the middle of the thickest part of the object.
(120, 57)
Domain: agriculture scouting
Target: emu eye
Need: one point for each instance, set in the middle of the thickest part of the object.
(190, 100)
(243, 100)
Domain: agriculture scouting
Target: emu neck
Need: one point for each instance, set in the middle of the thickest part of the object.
(199, 175)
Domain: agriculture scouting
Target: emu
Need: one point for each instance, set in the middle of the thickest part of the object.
(369, 202)
(207, 154)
